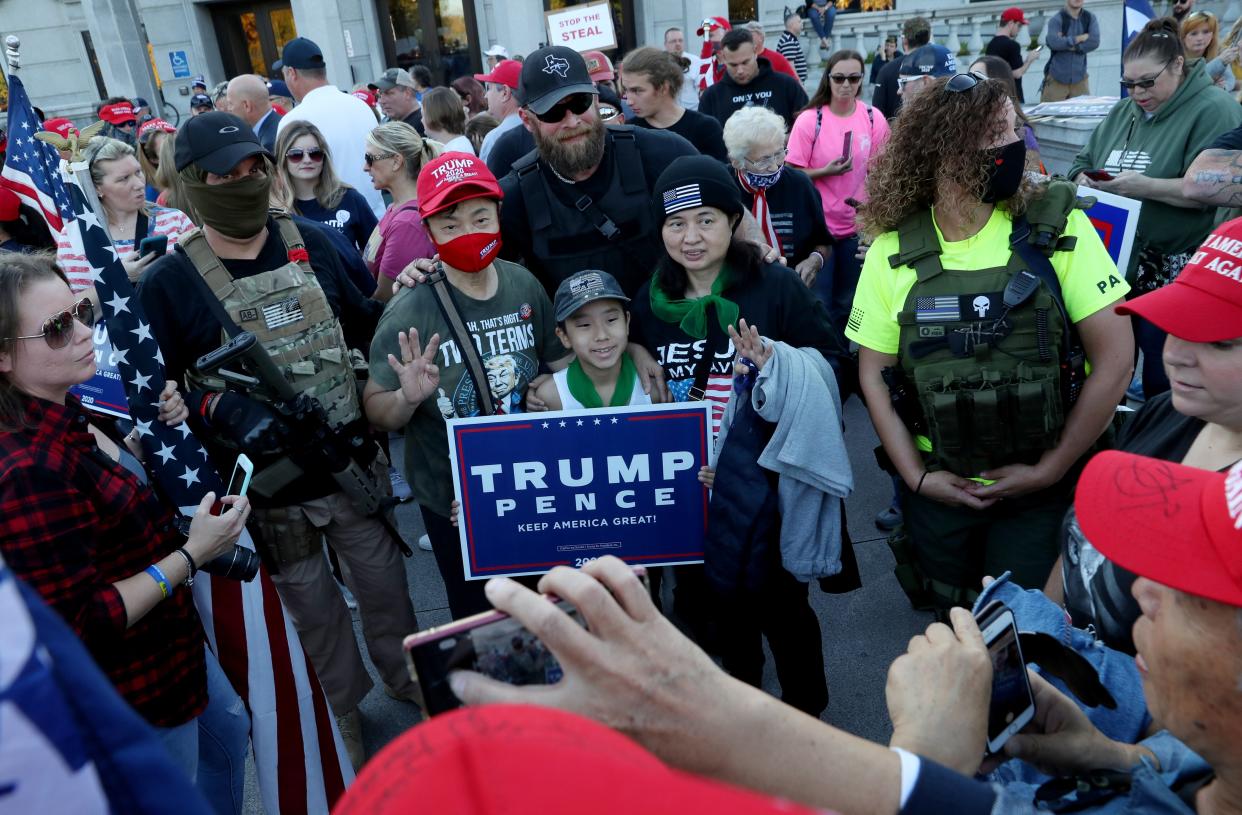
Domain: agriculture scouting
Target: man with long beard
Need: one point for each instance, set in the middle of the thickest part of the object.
(582, 198)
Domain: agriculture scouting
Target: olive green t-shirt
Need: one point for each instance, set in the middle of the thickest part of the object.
(513, 331)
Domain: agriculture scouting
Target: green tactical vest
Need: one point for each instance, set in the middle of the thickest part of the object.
(290, 316)
(987, 377)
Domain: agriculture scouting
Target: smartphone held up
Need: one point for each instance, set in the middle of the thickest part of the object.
(1012, 705)
(239, 483)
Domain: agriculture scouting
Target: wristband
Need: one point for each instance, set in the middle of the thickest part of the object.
(160, 580)
(822, 262)
(204, 406)
(189, 562)
(919, 488)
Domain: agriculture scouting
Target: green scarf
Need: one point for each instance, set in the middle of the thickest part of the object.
(691, 315)
(583, 389)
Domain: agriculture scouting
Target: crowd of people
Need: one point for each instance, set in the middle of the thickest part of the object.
(679, 229)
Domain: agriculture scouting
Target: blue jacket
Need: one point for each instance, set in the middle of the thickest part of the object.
(1068, 61)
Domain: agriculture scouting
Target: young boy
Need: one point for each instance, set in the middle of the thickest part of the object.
(592, 321)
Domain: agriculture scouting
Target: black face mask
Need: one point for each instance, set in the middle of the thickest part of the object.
(1005, 169)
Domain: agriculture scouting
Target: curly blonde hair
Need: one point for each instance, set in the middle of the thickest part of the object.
(934, 140)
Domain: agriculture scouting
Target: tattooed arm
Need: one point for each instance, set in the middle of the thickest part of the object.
(1215, 178)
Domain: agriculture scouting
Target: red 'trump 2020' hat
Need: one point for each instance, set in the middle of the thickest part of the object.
(453, 178)
(1204, 302)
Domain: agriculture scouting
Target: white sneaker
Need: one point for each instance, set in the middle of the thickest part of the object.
(400, 488)
(424, 543)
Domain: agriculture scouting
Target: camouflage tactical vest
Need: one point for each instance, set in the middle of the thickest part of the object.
(988, 377)
(290, 316)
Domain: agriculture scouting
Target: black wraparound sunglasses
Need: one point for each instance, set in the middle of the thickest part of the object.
(575, 103)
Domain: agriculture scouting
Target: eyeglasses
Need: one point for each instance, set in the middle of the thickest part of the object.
(841, 79)
(575, 103)
(314, 154)
(370, 159)
(961, 83)
(766, 162)
(902, 81)
(1147, 83)
(58, 329)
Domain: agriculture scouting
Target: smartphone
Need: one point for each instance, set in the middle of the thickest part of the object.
(491, 643)
(847, 145)
(156, 244)
(1013, 705)
(239, 482)
(1098, 175)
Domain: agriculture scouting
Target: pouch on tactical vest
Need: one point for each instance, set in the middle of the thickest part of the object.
(987, 350)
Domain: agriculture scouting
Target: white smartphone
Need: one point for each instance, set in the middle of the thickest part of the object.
(1013, 705)
(239, 481)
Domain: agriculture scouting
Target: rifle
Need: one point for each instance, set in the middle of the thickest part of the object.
(318, 442)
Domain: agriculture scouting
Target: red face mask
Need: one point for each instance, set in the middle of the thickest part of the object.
(470, 253)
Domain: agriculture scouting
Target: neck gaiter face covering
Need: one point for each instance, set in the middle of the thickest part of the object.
(237, 209)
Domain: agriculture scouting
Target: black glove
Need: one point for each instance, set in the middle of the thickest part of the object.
(255, 428)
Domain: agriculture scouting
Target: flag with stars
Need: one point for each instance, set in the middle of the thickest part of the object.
(245, 623)
(31, 167)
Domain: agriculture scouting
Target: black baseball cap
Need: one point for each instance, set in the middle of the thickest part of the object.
(216, 142)
(582, 288)
(550, 74)
(201, 100)
(301, 53)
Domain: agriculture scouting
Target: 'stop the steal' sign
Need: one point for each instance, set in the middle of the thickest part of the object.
(582, 28)
(539, 490)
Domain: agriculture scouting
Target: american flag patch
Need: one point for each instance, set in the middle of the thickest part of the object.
(680, 198)
(282, 313)
(936, 309)
(856, 318)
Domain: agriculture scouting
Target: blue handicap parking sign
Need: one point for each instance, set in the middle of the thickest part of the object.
(180, 63)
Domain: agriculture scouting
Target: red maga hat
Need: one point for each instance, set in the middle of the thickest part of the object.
(714, 22)
(528, 760)
(58, 126)
(117, 114)
(1204, 302)
(1176, 525)
(1013, 14)
(453, 178)
(506, 73)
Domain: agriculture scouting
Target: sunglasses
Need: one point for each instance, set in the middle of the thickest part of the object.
(314, 154)
(961, 83)
(575, 103)
(370, 159)
(841, 79)
(1145, 84)
(58, 329)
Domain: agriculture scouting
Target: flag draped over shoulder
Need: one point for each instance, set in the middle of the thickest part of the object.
(31, 167)
(245, 623)
(1135, 15)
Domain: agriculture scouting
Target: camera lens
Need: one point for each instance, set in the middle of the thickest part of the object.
(239, 564)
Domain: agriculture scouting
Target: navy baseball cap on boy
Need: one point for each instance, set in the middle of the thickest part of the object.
(582, 288)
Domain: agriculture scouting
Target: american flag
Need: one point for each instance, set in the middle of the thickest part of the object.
(937, 309)
(31, 167)
(245, 623)
(683, 197)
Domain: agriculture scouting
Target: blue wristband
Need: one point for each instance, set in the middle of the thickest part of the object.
(159, 578)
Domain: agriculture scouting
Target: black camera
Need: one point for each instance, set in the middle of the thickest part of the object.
(239, 564)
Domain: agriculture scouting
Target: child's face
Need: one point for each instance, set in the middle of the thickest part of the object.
(597, 333)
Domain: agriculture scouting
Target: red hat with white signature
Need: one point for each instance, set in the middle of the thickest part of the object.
(452, 178)
(714, 22)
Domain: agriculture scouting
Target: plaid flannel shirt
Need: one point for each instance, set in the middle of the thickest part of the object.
(72, 523)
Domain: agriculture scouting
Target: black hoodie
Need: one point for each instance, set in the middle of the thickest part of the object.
(776, 91)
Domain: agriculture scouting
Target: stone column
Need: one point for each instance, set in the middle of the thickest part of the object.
(120, 47)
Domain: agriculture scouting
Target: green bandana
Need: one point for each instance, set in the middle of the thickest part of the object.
(583, 389)
(691, 315)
